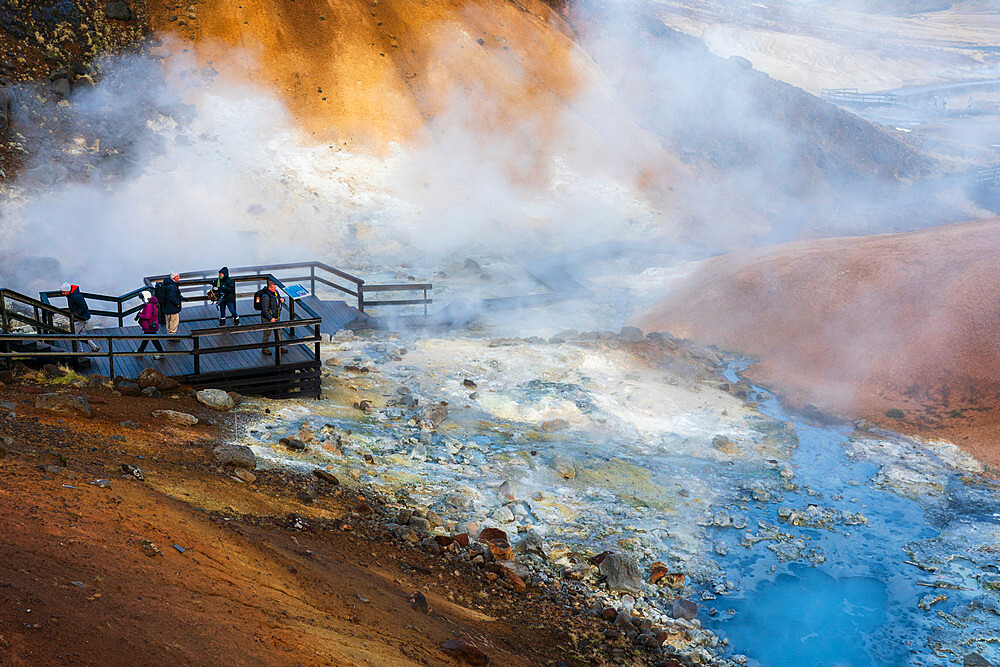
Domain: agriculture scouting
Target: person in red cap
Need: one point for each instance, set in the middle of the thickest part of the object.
(79, 310)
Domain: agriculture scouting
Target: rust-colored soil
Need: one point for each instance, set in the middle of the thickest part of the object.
(860, 325)
(79, 584)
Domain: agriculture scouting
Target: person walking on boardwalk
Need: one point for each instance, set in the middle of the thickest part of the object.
(79, 310)
(170, 303)
(149, 322)
(225, 292)
(270, 310)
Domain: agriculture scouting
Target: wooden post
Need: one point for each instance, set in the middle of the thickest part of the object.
(361, 298)
(111, 357)
(197, 357)
(277, 347)
(312, 280)
(121, 319)
(316, 345)
(425, 302)
(291, 315)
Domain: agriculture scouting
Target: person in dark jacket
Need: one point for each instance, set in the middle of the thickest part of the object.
(170, 302)
(149, 321)
(270, 311)
(225, 292)
(79, 310)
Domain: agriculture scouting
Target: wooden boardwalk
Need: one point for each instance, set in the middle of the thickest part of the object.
(202, 353)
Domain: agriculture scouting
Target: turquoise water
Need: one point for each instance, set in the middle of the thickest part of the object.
(861, 604)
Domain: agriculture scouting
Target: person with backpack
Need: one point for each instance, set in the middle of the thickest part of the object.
(149, 322)
(225, 291)
(268, 302)
(169, 296)
(79, 310)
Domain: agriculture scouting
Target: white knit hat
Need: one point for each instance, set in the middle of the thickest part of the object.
(66, 287)
(146, 295)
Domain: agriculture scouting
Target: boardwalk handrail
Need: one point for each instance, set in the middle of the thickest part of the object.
(44, 313)
(852, 96)
(120, 312)
(195, 282)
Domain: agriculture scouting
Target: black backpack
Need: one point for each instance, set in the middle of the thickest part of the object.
(256, 298)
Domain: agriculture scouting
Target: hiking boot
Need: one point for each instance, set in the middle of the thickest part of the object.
(236, 321)
(222, 321)
(158, 357)
(93, 346)
(266, 351)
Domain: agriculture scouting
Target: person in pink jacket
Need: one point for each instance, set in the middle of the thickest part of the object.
(149, 322)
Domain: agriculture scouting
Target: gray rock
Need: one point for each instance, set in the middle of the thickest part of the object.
(117, 10)
(128, 389)
(215, 399)
(685, 609)
(621, 572)
(420, 523)
(564, 466)
(175, 418)
(293, 444)
(62, 88)
(239, 456)
(631, 334)
(64, 403)
(326, 476)
(531, 543)
(152, 392)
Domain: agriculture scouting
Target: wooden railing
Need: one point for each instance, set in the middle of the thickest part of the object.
(852, 96)
(318, 274)
(119, 310)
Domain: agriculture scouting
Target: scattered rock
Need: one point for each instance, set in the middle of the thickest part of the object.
(468, 383)
(621, 573)
(117, 10)
(152, 392)
(725, 445)
(150, 377)
(418, 601)
(239, 456)
(135, 471)
(215, 399)
(631, 334)
(128, 388)
(237, 397)
(174, 417)
(101, 483)
(244, 475)
(564, 466)
(464, 650)
(326, 476)
(64, 403)
(555, 425)
(685, 609)
(895, 413)
(472, 265)
(293, 444)
(168, 385)
(128, 423)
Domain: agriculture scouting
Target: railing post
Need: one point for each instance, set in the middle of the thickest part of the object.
(197, 357)
(361, 297)
(319, 337)
(121, 320)
(425, 302)
(277, 347)
(291, 315)
(312, 280)
(111, 357)
(72, 330)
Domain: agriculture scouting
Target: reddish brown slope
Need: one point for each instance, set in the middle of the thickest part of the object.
(858, 325)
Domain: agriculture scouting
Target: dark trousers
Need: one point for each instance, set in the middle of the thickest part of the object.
(267, 334)
(232, 309)
(156, 344)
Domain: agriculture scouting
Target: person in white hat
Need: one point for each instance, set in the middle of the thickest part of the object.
(149, 322)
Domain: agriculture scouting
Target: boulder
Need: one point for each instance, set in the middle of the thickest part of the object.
(152, 392)
(621, 572)
(176, 418)
(117, 10)
(215, 399)
(685, 609)
(238, 456)
(237, 397)
(465, 651)
(293, 444)
(326, 476)
(71, 405)
(631, 334)
(128, 388)
(168, 385)
(150, 377)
